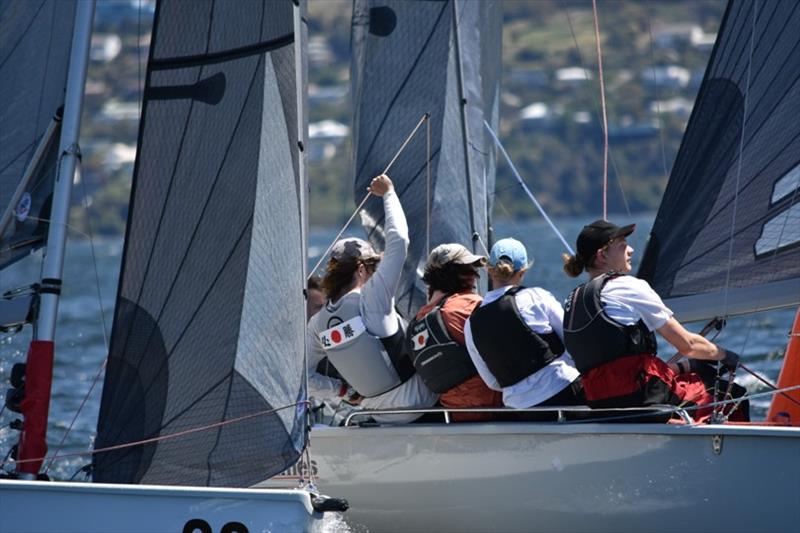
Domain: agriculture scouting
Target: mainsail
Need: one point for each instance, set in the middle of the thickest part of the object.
(441, 57)
(35, 43)
(209, 323)
(727, 236)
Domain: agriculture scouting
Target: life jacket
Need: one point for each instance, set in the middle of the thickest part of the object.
(441, 362)
(592, 337)
(370, 364)
(511, 350)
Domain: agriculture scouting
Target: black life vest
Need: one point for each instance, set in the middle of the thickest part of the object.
(441, 362)
(592, 337)
(511, 350)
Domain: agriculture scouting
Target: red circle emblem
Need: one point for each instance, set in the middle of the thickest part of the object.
(336, 336)
(421, 339)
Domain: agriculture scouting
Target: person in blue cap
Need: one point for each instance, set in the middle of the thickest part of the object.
(515, 338)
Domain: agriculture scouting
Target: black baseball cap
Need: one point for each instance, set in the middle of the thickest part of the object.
(597, 234)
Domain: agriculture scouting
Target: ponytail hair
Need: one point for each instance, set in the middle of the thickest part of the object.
(573, 265)
(502, 271)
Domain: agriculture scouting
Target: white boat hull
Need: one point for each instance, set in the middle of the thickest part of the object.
(42, 507)
(562, 477)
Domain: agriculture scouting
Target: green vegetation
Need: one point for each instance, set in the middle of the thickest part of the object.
(560, 157)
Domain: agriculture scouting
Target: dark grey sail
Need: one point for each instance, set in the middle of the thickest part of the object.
(35, 43)
(413, 57)
(727, 236)
(209, 323)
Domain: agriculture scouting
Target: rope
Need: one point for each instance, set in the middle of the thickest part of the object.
(168, 436)
(603, 102)
(597, 111)
(526, 189)
(424, 118)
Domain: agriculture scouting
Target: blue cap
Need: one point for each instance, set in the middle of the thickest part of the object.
(511, 249)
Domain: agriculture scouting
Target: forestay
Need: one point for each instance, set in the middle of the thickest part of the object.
(35, 42)
(727, 236)
(210, 314)
(413, 57)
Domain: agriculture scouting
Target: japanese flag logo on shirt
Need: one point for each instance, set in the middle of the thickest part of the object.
(342, 334)
(420, 339)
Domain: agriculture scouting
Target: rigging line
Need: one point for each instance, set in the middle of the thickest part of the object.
(425, 117)
(428, 204)
(603, 105)
(767, 383)
(169, 436)
(739, 163)
(464, 128)
(655, 87)
(527, 190)
(593, 97)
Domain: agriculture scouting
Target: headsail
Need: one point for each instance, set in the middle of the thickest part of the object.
(413, 57)
(35, 43)
(727, 236)
(210, 317)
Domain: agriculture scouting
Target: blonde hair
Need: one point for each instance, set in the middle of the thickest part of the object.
(573, 265)
(503, 270)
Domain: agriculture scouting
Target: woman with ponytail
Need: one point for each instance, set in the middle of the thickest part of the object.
(515, 337)
(609, 328)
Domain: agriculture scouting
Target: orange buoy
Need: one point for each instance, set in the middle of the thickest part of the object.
(783, 410)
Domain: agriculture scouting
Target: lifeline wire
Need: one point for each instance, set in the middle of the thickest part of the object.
(425, 117)
(526, 189)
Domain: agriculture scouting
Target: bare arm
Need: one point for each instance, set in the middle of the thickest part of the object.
(690, 344)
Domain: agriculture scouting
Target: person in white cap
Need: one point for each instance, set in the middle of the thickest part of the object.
(358, 328)
(436, 336)
(515, 337)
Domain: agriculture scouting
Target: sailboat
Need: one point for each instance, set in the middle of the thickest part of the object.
(577, 469)
(205, 383)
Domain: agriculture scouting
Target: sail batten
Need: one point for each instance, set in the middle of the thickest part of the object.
(209, 323)
(723, 242)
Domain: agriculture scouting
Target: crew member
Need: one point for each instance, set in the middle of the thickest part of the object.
(436, 336)
(608, 329)
(515, 337)
(359, 330)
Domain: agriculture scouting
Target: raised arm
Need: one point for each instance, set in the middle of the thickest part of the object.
(377, 295)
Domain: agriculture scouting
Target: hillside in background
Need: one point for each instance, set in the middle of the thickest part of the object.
(654, 56)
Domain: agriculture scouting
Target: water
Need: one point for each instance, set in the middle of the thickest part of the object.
(81, 343)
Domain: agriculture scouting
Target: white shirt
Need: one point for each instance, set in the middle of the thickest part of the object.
(627, 299)
(376, 307)
(543, 314)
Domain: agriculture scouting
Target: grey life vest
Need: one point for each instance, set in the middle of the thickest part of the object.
(592, 337)
(440, 361)
(511, 350)
(371, 365)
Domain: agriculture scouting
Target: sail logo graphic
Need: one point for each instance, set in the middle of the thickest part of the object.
(420, 339)
(782, 230)
(342, 334)
(23, 207)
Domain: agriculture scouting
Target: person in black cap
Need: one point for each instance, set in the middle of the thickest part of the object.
(609, 325)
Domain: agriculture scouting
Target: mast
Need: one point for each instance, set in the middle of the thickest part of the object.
(39, 370)
(464, 129)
